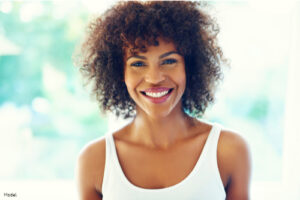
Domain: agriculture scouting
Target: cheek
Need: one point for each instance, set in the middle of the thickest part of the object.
(181, 78)
(183, 84)
(131, 80)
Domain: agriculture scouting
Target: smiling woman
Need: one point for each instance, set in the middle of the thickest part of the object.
(159, 64)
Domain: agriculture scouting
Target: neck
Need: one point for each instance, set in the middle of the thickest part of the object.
(161, 132)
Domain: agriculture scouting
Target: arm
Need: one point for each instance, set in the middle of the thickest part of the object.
(240, 169)
(89, 171)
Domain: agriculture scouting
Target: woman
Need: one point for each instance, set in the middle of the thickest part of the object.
(159, 63)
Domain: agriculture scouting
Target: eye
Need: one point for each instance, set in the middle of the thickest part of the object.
(169, 61)
(137, 64)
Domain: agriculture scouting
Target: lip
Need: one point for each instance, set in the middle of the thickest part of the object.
(160, 99)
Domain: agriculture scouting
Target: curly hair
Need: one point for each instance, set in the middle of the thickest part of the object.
(138, 25)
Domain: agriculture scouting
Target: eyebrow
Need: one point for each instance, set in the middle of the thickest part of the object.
(160, 57)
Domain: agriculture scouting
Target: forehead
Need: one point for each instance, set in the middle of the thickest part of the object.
(161, 46)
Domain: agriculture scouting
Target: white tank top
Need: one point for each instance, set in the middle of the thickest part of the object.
(203, 182)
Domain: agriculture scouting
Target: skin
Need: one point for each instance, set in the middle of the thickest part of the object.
(152, 148)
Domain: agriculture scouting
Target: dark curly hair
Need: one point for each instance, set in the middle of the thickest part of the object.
(138, 25)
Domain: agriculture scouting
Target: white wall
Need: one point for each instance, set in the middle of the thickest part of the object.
(291, 145)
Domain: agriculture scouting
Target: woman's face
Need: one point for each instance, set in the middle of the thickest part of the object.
(156, 79)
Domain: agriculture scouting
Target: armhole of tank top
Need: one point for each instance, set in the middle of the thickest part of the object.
(107, 162)
(215, 158)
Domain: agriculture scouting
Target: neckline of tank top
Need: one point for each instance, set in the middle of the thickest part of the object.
(125, 180)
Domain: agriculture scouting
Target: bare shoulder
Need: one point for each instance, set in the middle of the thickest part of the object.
(232, 143)
(90, 169)
(235, 159)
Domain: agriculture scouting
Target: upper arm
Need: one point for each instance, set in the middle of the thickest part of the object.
(239, 167)
(90, 170)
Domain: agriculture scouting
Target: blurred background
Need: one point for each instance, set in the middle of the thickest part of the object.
(47, 116)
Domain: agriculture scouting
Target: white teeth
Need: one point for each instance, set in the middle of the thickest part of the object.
(156, 94)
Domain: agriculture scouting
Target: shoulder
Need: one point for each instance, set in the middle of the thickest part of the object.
(90, 169)
(232, 143)
(235, 158)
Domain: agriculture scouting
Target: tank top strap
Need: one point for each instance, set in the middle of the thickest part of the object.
(211, 141)
(108, 159)
(213, 138)
(211, 154)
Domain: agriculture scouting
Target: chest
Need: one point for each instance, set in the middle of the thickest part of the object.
(159, 169)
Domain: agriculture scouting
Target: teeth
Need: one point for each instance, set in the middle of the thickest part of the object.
(156, 94)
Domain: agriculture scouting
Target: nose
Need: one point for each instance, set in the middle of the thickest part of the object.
(154, 75)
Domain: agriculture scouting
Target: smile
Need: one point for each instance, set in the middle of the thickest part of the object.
(158, 96)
